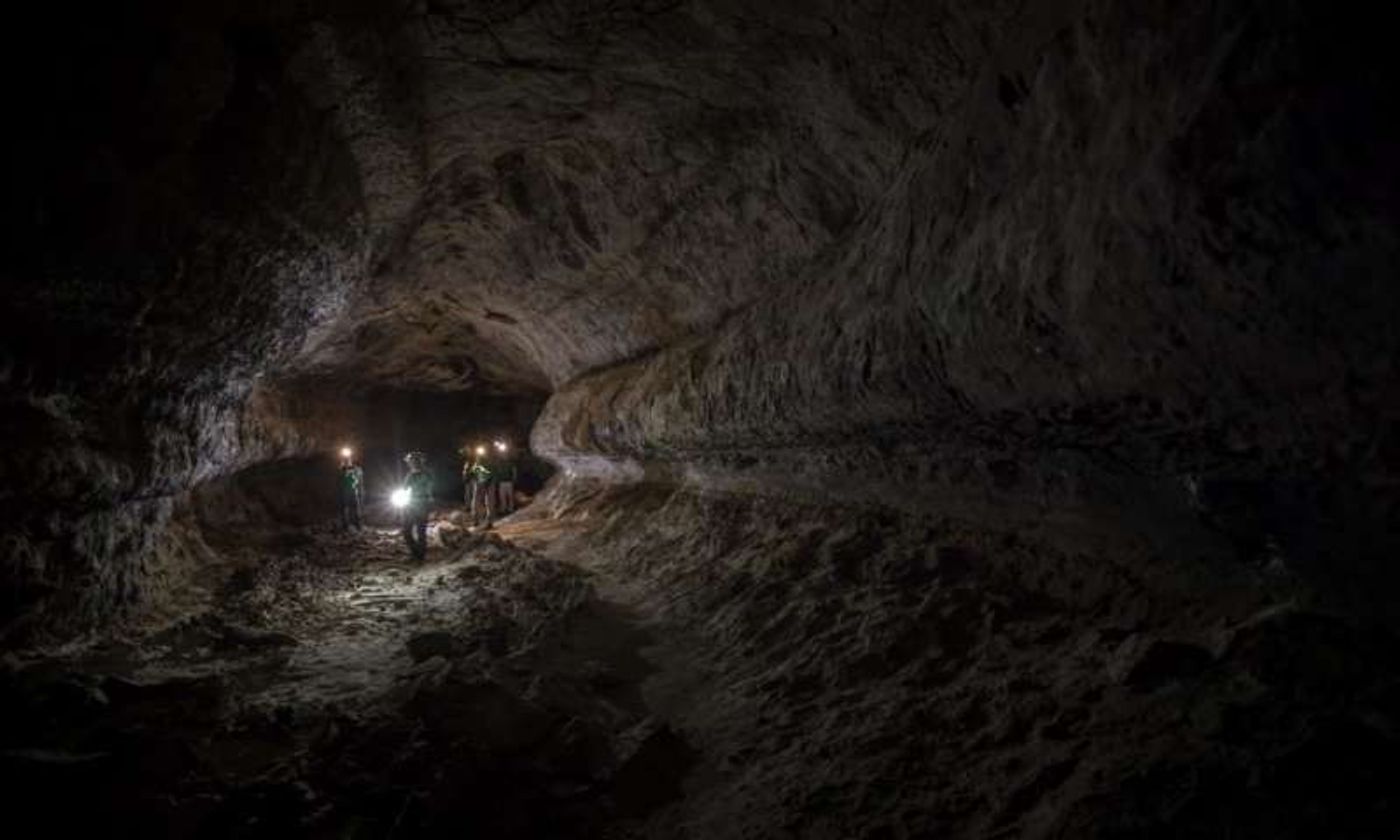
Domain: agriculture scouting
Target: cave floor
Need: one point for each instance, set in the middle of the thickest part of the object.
(614, 669)
(334, 688)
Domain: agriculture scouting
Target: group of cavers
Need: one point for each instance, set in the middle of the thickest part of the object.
(488, 475)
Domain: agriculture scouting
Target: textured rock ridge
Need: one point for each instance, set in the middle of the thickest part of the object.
(985, 411)
(1118, 254)
(877, 673)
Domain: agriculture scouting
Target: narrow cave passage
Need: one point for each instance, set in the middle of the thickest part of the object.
(933, 418)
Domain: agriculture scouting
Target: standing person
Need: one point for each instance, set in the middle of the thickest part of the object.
(468, 482)
(418, 485)
(484, 495)
(506, 474)
(352, 490)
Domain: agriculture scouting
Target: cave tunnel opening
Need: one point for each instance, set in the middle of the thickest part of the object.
(446, 428)
(379, 426)
(968, 419)
(318, 418)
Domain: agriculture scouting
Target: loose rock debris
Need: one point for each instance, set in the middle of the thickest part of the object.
(338, 690)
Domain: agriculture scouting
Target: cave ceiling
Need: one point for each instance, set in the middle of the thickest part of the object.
(550, 188)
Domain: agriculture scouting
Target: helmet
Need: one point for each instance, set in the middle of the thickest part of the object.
(415, 459)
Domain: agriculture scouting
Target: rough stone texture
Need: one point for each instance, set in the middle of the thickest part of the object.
(189, 222)
(1138, 245)
(1154, 236)
(599, 183)
(859, 672)
(1041, 295)
(280, 710)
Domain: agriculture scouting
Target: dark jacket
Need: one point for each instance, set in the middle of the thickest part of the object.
(420, 489)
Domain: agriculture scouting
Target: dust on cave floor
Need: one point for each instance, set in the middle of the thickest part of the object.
(339, 689)
(613, 672)
(847, 672)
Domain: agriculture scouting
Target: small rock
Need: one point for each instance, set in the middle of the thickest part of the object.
(425, 646)
(652, 774)
(1151, 665)
(481, 712)
(185, 699)
(250, 637)
(49, 757)
(954, 563)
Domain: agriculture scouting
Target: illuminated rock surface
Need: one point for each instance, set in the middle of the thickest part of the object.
(970, 419)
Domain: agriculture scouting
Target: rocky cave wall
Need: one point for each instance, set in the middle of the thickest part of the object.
(187, 223)
(1143, 266)
(298, 489)
(216, 201)
(995, 402)
(978, 256)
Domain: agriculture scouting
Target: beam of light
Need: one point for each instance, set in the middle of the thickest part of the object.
(400, 497)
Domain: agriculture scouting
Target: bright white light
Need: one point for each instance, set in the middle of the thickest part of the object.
(400, 497)
(481, 450)
(346, 452)
(501, 445)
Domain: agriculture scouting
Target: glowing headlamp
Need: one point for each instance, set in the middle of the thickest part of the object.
(501, 445)
(401, 497)
(481, 450)
(346, 452)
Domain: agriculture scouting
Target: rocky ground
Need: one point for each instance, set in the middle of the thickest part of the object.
(851, 672)
(653, 662)
(335, 689)
(972, 418)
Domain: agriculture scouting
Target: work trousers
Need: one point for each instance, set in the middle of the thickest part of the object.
(484, 501)
(415, 534)
(350, 503)
(506, 492)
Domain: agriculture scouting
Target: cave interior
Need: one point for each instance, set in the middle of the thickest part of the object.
(962, 418)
